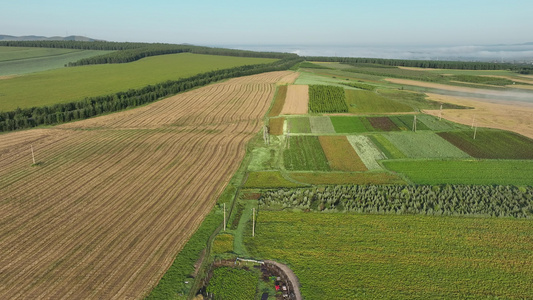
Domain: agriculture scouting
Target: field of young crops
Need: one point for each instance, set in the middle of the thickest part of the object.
(233, 283)
(21, 60)
(327, 99)
(299, 125)
(368, 102)
(513, 172)
(268, 179)
(75, 83)
(321, 125)
(423, 145)
(357, 256)
(491, 144)
(321, 178)
(113, 199)
(351, 124)
(304, 153)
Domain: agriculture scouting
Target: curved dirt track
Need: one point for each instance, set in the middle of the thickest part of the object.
(114, 198)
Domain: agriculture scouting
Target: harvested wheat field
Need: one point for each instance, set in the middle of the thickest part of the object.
(113, 199)
(512, 116)
(296, 101)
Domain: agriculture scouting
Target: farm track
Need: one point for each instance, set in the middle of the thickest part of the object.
(114, 198)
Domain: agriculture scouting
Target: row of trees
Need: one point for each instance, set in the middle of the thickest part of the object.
(89, 107)
(436, 64)
(128, 52)
(463, 200)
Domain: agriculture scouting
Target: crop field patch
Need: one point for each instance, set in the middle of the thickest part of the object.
(128, 189)
(405, 122)
(268, 179)
(299, 125)
(360, 102)
(296, 100)
(279, 101)
(367, 151)
(491, 144)
(424, 145)
(75, 83)
(340, 154)
(351, 124)
(321, 125)
(383, 124)
(433, 123)
(486, 172)
(398, 257)
(276, 126)
(388, 148)
(347, 178)
(327, 99)
(305, 153)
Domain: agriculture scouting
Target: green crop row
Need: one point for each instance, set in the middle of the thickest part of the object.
(233, 283)
(326, 99)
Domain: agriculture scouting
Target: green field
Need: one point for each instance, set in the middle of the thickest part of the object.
(360, 102)
(76, 83)
(356, 256)
(388, 148)
(433, 123)
(321, 178)
(424, 145)
(268, 179)
(350, 124)
(233, 283)
(327, 99)
(22, 60)
(405, 122)
(514, 172)
(491, 144)
(305, 154)
(299, 125)
(321, 125)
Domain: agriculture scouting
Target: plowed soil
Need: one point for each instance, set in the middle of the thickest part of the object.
(113, 199)
(296, 101)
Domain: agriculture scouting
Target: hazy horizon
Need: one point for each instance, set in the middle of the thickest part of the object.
(341, 22)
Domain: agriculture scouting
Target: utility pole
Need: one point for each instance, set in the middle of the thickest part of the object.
(473, 120)
(440, 112)
(224, 216)
(414, 124)
(475, 129)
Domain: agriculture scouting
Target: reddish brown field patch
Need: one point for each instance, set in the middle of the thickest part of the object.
(383, 124)
(276, 126)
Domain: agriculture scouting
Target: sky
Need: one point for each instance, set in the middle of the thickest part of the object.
(334, 22)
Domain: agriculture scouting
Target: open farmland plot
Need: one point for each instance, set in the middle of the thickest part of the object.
(296, 100)
(433, 123)
(357, 256)
(24, 60)
(321, 125)
(382, 124)
(424, 145)
(304, 153)
(388, 148)
(327, 99)
(503, 172)
(299, 125)
(340, 154)
(321, 178)
(367, 151)
(405, 122)
(114, 198)
(351, 124)
(367, 102)
(76, 83)
(491, 144)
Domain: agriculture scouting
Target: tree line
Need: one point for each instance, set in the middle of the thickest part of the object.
(128, 52)
(435, 64)
(93, 106)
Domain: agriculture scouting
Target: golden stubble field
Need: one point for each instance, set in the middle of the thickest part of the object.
(113, 199)
(297, 100)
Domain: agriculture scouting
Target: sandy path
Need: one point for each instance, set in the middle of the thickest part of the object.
(512, 116)
(116, 197)
(292, 277)
(296, 101)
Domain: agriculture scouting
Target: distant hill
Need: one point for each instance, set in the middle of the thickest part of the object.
(4, 37)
